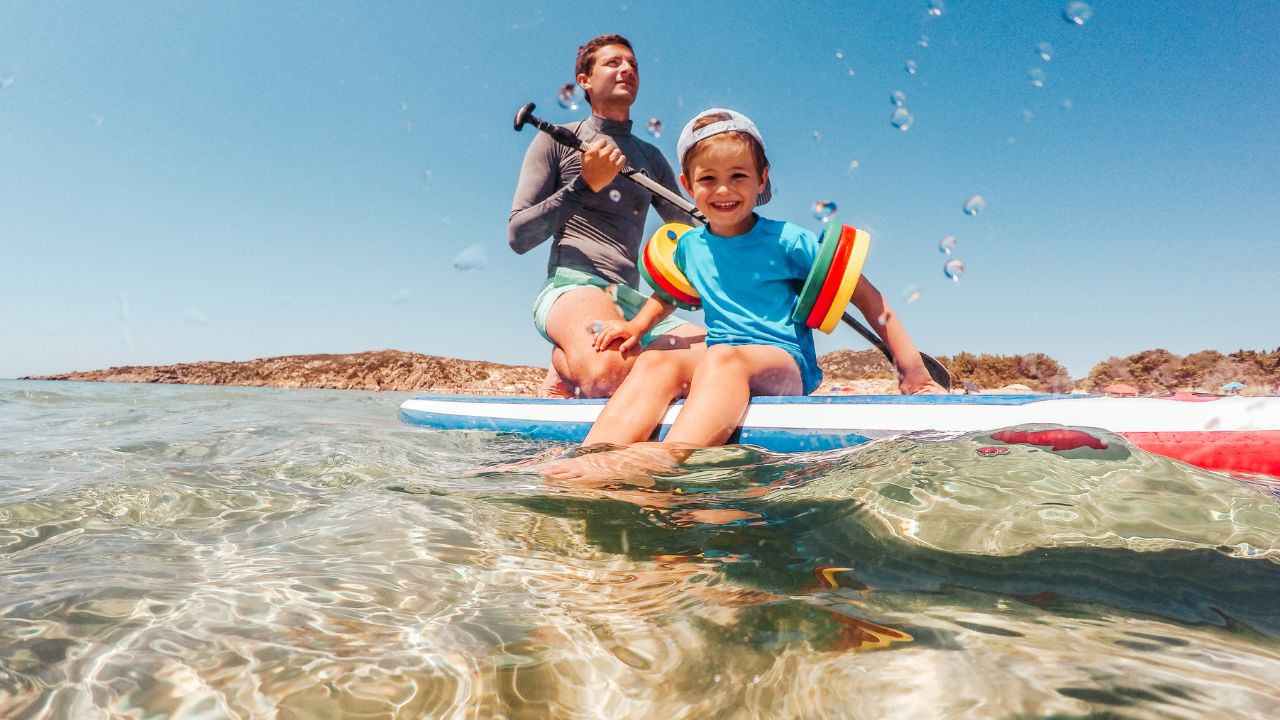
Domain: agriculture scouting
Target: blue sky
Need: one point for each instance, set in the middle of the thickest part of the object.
(232, 180)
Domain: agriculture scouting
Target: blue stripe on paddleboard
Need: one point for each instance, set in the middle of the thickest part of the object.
(775, 439)
(790, 399)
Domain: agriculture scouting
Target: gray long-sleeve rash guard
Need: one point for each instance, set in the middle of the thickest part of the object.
(597, 233)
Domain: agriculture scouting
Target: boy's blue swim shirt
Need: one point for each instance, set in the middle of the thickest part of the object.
(749, 286)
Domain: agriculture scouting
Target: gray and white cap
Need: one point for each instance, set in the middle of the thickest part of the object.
(736, 122)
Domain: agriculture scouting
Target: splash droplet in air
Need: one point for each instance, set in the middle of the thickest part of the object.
(853, 166)
(902, 119)
(947, 244)
(1045, 51)
(568, 96)
(473, 258)
(6, 82)
(654, 127)
(1077, 13)
(839, 54)
(824, 209)
(975, 205)
(911, 293)
(1036, 76)
(936, 7)
(953, 270)
(911, 67)
(924, 41)
(898, 98)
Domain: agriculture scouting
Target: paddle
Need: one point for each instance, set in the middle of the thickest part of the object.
(563, 136)
(568, 139)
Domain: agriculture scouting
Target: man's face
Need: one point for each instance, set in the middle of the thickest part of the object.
(614, 77)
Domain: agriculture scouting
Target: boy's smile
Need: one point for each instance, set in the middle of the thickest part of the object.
(724, 185)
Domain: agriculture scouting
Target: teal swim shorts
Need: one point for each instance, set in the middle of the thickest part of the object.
(628, 300)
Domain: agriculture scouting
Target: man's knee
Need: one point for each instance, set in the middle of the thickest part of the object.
(601, 374)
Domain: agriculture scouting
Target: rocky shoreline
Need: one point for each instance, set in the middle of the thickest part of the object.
(848, 372)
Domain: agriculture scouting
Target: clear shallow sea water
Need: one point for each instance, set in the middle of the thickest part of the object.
(210, 552)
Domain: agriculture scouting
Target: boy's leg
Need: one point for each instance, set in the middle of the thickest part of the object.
(634, 411)
(724, 382)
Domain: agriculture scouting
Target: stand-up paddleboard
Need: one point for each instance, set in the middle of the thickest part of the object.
(1239, 434)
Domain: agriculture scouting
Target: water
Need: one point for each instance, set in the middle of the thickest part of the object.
(182, 551)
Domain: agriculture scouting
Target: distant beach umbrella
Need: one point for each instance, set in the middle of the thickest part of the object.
(971, 387)
(1233, 386)
(1120, 389)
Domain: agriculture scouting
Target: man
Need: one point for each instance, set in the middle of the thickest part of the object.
(595, 219)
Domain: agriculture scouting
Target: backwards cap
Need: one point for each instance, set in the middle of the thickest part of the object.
(736, 122)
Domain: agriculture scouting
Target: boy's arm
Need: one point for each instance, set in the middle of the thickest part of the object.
(630, 331)
(913, 376)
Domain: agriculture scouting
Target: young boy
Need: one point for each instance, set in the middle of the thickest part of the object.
(746, 270)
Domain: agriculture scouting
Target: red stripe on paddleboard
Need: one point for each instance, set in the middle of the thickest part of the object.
(1254, 451)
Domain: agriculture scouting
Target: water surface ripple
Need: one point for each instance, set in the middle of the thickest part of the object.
(203, 552)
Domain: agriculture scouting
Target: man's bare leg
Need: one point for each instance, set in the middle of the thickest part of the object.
(598, 374)
(553, 386)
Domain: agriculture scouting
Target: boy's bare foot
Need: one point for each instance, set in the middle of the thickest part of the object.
(634, 462)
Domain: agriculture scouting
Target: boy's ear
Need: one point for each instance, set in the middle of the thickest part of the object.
(764, 179)
(684, 182)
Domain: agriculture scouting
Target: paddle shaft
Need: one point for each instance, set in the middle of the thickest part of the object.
(568, 139)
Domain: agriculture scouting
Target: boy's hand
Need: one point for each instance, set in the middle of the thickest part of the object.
(920, 386)
(612, 331)
(601, 163)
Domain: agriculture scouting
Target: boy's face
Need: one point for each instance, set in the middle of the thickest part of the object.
(614, 77)
(724, 183)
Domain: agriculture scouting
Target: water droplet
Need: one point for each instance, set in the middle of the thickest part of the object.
(883, 319)
(839, 54)
(615, 194)
(97, 119)
(898, 98)
(1027, 115)
(473, 258)
(716, 678)
(1045, 51)
(1077, 13)
(824, 209)
(850, 72)
(947, 244)
(1036, 76)
(853, 166)
(975, 205)
(902, 119)
(911, 293)
(936, 7)
(654, 127)
(568, 96)
(7, 81)
(911, 67)
(953, 270)
(924, 41)
(404, 105)
(594, 327)
(1067, 104)
(817, 135)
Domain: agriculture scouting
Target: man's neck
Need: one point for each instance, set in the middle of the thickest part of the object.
(613, 111)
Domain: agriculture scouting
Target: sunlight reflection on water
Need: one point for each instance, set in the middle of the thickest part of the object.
(221, 552)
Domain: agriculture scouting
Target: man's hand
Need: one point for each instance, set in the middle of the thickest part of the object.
(601, 163)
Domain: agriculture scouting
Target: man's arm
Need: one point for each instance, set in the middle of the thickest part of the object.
(539, 208)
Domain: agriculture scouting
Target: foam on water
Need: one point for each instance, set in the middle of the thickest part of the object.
(221, 552)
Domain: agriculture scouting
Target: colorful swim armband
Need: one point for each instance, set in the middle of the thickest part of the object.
(658, 268)
(827, 289)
